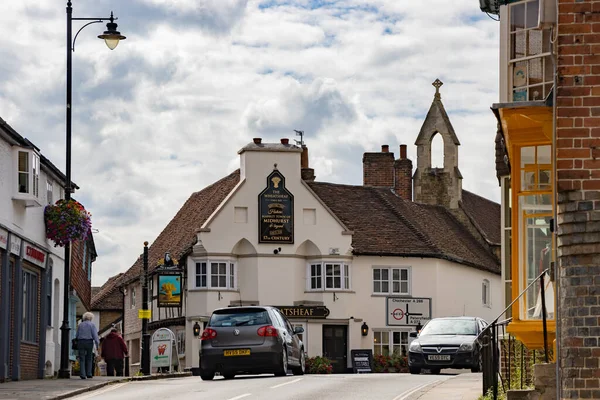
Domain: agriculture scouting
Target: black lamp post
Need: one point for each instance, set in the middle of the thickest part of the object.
(111, 37)
(145, 335)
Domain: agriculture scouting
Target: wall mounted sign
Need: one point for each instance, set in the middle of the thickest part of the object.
(3, 239)
(276, 211)
(15, 245)
(408, 311)
(169, 290)
(34, 255)
(304, 311)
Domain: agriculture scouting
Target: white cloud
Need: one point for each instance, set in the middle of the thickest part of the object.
(164, 114)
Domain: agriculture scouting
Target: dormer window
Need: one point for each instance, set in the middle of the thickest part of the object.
(27, 170)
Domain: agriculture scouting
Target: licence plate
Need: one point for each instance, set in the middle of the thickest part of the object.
(236, 352)
(437, 357)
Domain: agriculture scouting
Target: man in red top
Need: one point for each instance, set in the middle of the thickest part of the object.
(113, 352)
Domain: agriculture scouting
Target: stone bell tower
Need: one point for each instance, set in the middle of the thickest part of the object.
(437, 186)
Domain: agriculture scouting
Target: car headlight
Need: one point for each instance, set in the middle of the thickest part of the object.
(414, 347)
(466, 347)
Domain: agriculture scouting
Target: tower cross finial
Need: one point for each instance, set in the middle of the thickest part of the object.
(437, 84)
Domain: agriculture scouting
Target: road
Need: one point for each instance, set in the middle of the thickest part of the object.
(307, 387)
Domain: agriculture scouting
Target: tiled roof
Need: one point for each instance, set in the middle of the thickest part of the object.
(484, 214)
(385, 224)
(179, 235)
(107, 297)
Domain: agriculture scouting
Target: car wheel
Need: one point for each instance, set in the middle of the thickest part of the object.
(228, 376)
(299, 370)
(414, 371)
(435, 371)
(207, 375)
(281, 369)
(477, 368)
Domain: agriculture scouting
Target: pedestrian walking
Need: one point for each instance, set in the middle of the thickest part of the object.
(87, 336)
(113, 352)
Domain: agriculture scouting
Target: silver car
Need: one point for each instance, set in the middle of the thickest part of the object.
(250, 340)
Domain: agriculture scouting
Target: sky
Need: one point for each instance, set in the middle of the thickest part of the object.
(164, 114)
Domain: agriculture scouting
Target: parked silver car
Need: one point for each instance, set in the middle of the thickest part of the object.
(250, 340)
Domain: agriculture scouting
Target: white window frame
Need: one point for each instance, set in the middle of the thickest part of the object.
(231, 274)
(390, 280)
(390, 345)
(32, 172)
(49, 191)
(313, 281)
(485, 293)
(132, 298)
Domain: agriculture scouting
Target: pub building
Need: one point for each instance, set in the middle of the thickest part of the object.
(357, 266)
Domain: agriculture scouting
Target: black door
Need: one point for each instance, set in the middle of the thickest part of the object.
(335, 346)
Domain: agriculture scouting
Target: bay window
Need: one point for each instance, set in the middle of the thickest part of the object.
(27, 174)
(328, 276)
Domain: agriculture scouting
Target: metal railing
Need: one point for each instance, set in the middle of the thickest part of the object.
(489, 338)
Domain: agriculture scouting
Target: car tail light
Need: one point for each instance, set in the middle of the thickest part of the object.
(268, 330)
(208, 334)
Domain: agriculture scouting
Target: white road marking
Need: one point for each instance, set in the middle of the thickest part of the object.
(405, 395)
(101, 391)
(241, 396)
(286, 383)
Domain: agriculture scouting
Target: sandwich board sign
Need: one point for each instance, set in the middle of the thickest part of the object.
(161, 349)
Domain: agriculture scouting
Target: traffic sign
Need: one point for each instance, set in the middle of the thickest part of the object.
(408, 311)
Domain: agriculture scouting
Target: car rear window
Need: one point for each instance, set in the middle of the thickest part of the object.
(450, 327)
(239, 317)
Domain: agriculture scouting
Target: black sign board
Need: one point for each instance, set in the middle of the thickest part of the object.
(276, 211)
(304, 311)
(362, 361)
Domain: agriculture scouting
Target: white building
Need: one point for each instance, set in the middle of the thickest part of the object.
(31, 267)
(333, 257)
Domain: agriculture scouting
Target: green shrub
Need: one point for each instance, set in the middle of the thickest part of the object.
(318, 365)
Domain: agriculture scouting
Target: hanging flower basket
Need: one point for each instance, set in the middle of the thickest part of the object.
(67, 221)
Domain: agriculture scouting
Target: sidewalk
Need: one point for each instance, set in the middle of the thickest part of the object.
(465, 386)
(57, 389)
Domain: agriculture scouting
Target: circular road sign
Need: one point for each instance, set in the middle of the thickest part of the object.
(398, 314)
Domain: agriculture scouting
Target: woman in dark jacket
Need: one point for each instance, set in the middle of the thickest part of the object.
(113, 352)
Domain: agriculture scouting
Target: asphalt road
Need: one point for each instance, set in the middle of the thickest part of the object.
(307, 387)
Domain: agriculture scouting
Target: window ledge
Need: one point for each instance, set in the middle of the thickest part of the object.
(390, 295)
(28, 200)
(213, 290)
(330, 291)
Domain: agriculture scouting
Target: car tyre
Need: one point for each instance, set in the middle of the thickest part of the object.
(478, 367)
(299, 370)
(228, 376)
(207, 375)
(414, 371)
(283, 364)
(435, 371)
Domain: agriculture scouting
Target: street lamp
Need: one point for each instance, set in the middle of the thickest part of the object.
(111, 37)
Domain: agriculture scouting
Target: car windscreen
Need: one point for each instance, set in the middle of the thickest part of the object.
(450, 327)
(239, 317)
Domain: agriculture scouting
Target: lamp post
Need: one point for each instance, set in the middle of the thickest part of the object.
(145, 335)
(111, 36)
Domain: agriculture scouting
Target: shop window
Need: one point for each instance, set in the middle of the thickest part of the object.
(30, 306)
(328, 276)
(216, 274)
(390, 280)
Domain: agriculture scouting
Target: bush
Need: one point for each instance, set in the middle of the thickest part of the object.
(318, 365)
(394, 363)
(381, 363)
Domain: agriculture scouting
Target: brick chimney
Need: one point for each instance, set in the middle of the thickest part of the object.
(307, 174)
(403, 175)
(378, 168)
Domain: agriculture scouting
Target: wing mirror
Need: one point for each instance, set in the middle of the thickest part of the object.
(413, 334)
(298, 329)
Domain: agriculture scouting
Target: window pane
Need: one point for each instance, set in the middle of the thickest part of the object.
(329, 282)
(404, 274)
(328, 269)
(395, 274)
(376, 274)
(517, 17)
(404, 287)
(198, 281)
(197, 268)
(376, 287)
(214, 268)
(222, 268)
(214, 281)
(396, 287)
(223, 281)
(337, 270)
(23, 161)
(337, 281)
(385, 274)
(203, 281)
(385, 287)
(396, 337)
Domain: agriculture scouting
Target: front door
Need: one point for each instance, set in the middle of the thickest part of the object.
(335, 346)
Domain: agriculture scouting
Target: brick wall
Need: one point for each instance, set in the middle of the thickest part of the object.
(578, 186)
(403, 175)
(79, 275)
(378, 168)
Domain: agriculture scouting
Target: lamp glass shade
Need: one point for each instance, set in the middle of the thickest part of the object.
(364, 329)
(111, 35)
(196, 329)
(111, 43)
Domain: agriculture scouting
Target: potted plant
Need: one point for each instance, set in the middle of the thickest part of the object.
(67, 221)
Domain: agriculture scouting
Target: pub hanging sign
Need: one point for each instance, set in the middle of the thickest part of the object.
(276, 211)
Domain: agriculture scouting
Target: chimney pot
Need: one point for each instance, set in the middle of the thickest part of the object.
(285, 141)
(385, 148)
(402, 151)
(257, 140)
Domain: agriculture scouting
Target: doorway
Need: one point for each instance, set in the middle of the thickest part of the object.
(335, 346)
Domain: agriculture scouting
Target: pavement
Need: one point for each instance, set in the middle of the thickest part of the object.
(58, 389)
(463, 386)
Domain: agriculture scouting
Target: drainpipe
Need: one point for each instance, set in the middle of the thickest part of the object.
(126, 370)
